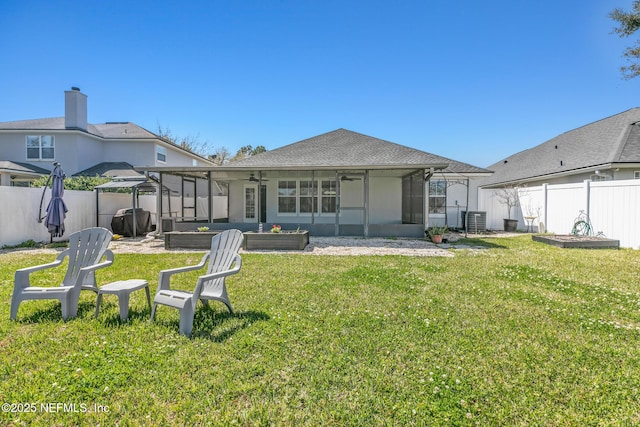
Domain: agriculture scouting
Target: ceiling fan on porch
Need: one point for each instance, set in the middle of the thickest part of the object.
(349, 178)
(252, 178)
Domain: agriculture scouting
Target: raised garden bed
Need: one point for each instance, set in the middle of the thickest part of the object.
(285, 240)
(571, 241)
(188, 239)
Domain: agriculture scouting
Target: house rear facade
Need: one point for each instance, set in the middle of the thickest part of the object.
(340, 183)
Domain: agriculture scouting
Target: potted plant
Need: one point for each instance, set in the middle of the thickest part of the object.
(508, 196)
(436, 233)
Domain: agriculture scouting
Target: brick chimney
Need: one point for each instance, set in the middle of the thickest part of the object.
(75, 109)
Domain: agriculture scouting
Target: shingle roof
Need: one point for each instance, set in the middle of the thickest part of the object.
(344, 149)
(116, 130)
(110, 169)
(615, 139)
(19, 167)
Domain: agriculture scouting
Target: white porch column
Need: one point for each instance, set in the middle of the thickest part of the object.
(337, 231)
(366, 203)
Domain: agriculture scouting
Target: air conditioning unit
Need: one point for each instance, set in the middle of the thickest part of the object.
(477, 221)
(168, 224)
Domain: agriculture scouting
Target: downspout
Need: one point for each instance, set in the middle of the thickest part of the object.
(466, 213)
(259, 198)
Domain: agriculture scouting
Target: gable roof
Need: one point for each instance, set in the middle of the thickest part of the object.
(345, 149)
(615, 139)
(22, 168)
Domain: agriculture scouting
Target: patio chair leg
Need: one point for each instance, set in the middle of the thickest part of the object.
(186, 320)
(98, 301)
(66, 310)
(228, 304)
(15, 303)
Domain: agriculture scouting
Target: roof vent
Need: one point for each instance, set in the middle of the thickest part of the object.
(561, 163)
(505, 162)
(556, 147)
(77, 89)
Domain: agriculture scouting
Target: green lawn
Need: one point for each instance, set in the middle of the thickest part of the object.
(518, 334)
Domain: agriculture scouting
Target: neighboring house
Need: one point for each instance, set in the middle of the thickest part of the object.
(28, 148)
(608, 149)
(19, 174)
(591, 169)
(337, 183)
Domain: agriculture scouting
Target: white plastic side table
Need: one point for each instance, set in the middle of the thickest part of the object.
(123, 289)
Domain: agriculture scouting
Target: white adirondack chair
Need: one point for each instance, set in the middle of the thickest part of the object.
(86, 249)
(211, 286)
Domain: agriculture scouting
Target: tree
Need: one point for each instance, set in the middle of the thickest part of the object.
(629, 24)
(508, 196)
(189, 143)
(220, 156)
(248, 151)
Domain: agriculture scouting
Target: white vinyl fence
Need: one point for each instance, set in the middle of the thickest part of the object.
(19, 208)
(612, 207)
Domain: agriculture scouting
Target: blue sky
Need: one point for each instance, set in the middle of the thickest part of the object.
(473, 81)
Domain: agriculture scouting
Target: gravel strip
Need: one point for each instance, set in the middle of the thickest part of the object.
(346, 246)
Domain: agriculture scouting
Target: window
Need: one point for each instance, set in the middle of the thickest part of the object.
(40, 147)
(437, 196)
(249, 203)
(287, 196)
(161, 154)
(636, 175)
(308, 197)
(329, 192)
